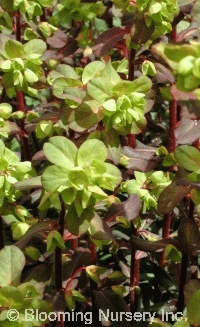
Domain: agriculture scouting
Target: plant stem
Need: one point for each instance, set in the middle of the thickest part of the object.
(3, 95)
(1, 234)
(18, 26)
(134, 276)
(172, 110)
(131, 141)
(58, 251)
(74, 244)
(131, 78)
(165, 233)
(20, 98)
(94, 287)
(23, 137)
(131, 65)
(171, 148)
(182, 281)
(172, 125)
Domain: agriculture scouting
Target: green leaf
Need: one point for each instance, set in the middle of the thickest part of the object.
(30, 76)
(91, 150)
(141, 85)
(111, 178)
(54, 240)
(40, 227)
(70, 300)
(61, 152)
(46, 3)
(172, 54)
(6, 65)
(71, 296)
(148, 68)
(54, 177)
(33, 252)
(185, 65)
(36, 47)
(11, 297)
(110, 107)
(192, 298)
(78, 178)
(10, 273)
(18, 64)
(28, 290)
(69, 89)
(7, 6)
(99, 89)
(14, 49)
(85, 116)
(44, 128)
(188, 157)
(78, 296)
(78, 224)
(94, 272)
(29, 34)
(19, 229)
(63, 70)
(112, 142)
(171, 253)
(92, 70)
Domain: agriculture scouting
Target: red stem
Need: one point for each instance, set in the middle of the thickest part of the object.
(131, 142)
(134, 276)
(172, 125)
(94, 287)
(131, 65)
(171, 148)
(58, 251)
(1, 234)
(20, 99)
(23, 137)
(74, 244)
(92, 248)
(67, 287)
(18, 26)
(165, 233)
(172, 111)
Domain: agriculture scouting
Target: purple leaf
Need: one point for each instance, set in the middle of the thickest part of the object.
(129, 209)
(149, 246)
(163, 74)
(187, 131)
(82, 257)
(141, 159)
(58, 40)
(182, 96)
(106, 41)
(185, 182)
(44, 226)
(170, 197)
(188, 235)
(109, 302)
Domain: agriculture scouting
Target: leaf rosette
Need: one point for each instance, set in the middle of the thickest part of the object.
(21, 64)
(79, 175)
